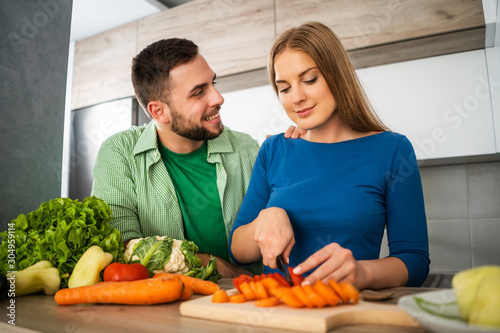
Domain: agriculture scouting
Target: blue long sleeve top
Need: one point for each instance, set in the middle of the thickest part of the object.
(345, 192)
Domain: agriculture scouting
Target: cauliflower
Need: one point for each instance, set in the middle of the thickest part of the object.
(177, 262)
(130, 249)
(165, 254)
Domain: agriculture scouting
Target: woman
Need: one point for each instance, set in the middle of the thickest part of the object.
(324, 200)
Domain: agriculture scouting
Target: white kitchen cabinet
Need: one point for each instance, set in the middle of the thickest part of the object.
(442, 104)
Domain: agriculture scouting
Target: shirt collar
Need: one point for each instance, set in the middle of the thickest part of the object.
(220, 144)
(148, 141)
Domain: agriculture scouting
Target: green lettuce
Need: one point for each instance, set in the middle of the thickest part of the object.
(60, 231)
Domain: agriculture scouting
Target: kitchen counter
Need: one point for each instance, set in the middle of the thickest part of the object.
(40, 313)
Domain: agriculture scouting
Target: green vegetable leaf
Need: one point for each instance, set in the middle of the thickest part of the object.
(209, 272)
(60, 231)
(189, 249)
(153, 253)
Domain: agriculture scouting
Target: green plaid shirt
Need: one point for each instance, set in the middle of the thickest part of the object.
(131, 177)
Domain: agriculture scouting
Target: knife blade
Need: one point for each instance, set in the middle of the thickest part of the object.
(283, 268)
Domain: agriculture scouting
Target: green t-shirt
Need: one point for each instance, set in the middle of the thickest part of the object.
(195, 181)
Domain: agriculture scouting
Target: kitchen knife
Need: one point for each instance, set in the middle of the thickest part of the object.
(283, 268)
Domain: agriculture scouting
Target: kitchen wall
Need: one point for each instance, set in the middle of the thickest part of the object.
(34, 42)
(463, 215)
(463, 212)
(463, 200)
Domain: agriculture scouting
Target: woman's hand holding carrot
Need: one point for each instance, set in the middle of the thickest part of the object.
(333, 262)
(337, 263)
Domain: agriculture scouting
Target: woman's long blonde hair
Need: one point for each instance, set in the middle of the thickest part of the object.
(325, 48)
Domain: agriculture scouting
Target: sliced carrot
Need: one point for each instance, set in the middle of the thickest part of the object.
(220, 296)
(351, 291)
(237, 281)
(289, 298)
(269, 283)
(260, 290)
(237, 298)
(276, 291)
(186, 293)
(146, 291)
(198, 286)
(318, 301)
(256, 278)
(247, 291)
(252, 286)
(326, 292)
(301, 295)
(339, 291)
(267, 302)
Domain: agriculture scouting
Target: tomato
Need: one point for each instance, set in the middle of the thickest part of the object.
(282, 281)
(125, 272)
(296, 278)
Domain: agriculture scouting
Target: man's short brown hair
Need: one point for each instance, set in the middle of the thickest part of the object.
(151, 68)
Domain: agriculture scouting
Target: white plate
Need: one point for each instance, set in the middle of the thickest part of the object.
(447, 306)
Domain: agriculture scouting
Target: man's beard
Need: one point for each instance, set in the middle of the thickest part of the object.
(190, 130)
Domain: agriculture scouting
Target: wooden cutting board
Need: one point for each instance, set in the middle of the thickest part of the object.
(303, 319)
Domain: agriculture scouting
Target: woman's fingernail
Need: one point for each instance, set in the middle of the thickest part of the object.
(296, 270)
(305, 283)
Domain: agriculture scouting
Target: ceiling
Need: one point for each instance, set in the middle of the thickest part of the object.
(91, 17)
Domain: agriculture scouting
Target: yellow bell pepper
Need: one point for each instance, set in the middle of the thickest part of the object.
(41, 276)
(88, 268)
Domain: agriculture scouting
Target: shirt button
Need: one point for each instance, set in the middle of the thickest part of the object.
(156, 154)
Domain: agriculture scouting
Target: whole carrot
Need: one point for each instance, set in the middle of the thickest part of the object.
(198, 286)
(147, 291)
(186, 294)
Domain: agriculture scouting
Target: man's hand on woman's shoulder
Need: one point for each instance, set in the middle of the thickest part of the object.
(293, 132)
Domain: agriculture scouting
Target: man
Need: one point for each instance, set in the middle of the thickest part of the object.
(183, 175)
